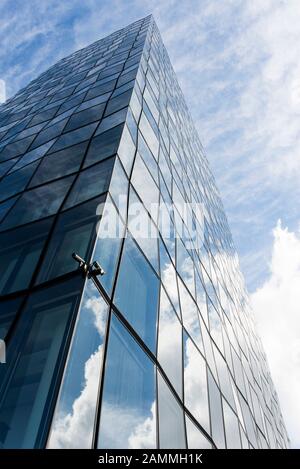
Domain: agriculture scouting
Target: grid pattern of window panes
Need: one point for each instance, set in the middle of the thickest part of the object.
(59, 138)
(173, 359)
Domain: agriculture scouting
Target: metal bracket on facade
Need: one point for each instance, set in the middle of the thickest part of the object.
(90, 270)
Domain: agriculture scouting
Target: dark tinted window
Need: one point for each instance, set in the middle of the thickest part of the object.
(85, 117)
(49, 133)
(4, 167)
(59, 164)
(104, 145)
(74, 137)
(8, 310)
(74, 232)
(36, 355)
(16, 181)
(20, 250)
(91, 182)
(38, 203)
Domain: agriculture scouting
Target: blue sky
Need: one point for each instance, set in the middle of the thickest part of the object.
(238, 64)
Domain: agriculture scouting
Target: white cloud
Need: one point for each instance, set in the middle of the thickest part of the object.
(276, 308)
(74, 429)
(144, 434)
(237, 63)
(134, 429)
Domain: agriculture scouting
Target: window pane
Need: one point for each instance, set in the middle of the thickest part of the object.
(33, 155)
(168, 277)
(170, 343)
(112, 121)
(59, 164)
(215, 325)
(185, 266)
(49, 133)
(248, 419)
(8, 311)
(20, 250)
(171, 418)
(149, 135)
(108, 244)
(143, 229)
(147, 157)
(126, 150)
(215, 405)
(128, 403)
(136, 294)
(196, 439)
(120, 101)
(190, 315)
(85, 117)
(5, 206)
(103, 145)
(91, 182)
(145, 187)
(195, 383)
(118, 188)
(38, 203)
(74, 137)
(75, 231)
(233, 440)
(16, 148)
(224, 378)
(4, 167)
(73, 422)
(101, 89)
(36, 355)
(16, 181)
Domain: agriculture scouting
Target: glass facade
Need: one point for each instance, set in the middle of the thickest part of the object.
(161, 351)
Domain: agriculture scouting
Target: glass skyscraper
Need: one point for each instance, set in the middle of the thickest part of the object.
(161, 351)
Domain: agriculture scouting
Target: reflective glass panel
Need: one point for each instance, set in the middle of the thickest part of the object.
(190, 315)
(126, 150)
(36, 353)
(73, 422)
(5, 206)
(104, 145)
(38, 203)
(145, 187)
(90, 182)
(195, 383)
(112, 121)
(74, 137)
(168, 277)
(108, 244)
(16, 181)
(20, 250)
(118, 188)
(143, 229)
(8, 311)
(85, 117)
(75, 231)
(233, 440)
(170, 342)
(216, 415)
(171, 418)
(196, 439)
(128, 415)
(59, 164)
(136, 294)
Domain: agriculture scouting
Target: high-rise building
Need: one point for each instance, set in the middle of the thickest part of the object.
(99, 157)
